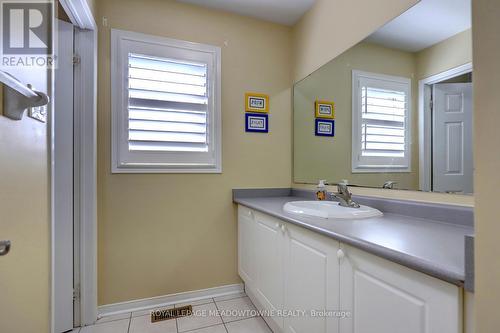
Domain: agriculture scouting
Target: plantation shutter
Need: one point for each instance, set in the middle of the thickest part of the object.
(383, 122)
(167, 105)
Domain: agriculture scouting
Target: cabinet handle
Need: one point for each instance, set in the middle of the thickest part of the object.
(340, 254)
(4, 247)
(277, 225)
(283, 228)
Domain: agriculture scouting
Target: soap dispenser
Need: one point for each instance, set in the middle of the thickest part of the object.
(321, 193)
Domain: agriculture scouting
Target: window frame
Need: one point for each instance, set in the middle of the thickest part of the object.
(125, 161)
(379, 164)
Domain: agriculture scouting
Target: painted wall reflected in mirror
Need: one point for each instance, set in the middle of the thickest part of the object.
(402, 107)
(1, 99)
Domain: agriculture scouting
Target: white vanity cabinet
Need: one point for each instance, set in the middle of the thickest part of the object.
(289, 268)
(311, 280)
(270, 253)
(247, 236)
(387, 297)
(261, 262)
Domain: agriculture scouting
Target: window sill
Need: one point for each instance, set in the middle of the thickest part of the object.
(146, 170)
(381, 170)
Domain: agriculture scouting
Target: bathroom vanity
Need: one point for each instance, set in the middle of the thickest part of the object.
(400, 272)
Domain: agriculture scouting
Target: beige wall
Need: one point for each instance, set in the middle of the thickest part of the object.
(332, 26)
(24, 219)
(166, 233)
(486, 43)
(92, 5)
(330, 158)
(448, 54)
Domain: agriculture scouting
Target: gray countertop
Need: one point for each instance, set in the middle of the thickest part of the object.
(433, 247)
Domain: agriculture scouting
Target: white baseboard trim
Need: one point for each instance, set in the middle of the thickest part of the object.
(159, 301)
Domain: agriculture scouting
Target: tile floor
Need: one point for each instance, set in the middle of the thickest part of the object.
(235, 315)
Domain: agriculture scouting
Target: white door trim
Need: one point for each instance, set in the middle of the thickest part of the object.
(85, 110)
(86, 181)
(63, 179)
(425, 121)
(79, 13)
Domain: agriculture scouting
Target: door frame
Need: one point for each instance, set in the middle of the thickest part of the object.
(85, 165)
(425, 121)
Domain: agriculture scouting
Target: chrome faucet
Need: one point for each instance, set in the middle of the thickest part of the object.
(345, 197)
(389, 184)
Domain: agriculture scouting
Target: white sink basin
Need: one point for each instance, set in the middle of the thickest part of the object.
(330, 210)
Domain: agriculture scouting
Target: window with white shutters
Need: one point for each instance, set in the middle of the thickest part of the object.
(166, 112)
(167, 104)
(381, 123)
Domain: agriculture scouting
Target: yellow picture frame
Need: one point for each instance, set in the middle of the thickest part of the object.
(324, 109)
(256, 102)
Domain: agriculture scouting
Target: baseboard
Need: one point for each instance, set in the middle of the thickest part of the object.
(159, 301)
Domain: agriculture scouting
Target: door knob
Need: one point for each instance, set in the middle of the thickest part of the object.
(4, 247)
(340, 254)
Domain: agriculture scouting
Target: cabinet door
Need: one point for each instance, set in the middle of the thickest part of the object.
(386, 297)
(269, 248)
(247, 266)
(311, 281)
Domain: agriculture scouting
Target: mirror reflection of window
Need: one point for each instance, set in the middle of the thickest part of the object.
(381, 123)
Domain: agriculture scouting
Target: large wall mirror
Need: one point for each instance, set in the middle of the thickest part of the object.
(395, 110)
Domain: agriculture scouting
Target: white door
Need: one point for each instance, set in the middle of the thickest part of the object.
(311, 282)
(269, 255)
(452, 138)
(385, 297)
(63, 181)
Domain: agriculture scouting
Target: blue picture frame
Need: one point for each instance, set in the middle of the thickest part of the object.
(256, 123)
(324, 127)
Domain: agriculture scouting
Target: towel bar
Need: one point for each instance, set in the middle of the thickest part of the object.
(18, 97)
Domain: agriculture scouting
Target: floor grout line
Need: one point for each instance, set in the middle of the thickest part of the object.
(129, 322)
(218, 311)
(110, 321)
(201, 328)
(233, 321)
(230, 299)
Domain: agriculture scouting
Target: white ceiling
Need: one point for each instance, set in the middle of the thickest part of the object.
(425, 24)
(286, 12)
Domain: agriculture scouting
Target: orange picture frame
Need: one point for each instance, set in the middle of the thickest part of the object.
(324, 109)
(256, 102)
